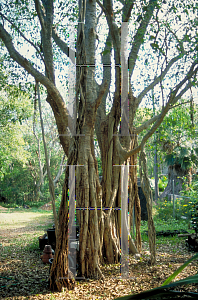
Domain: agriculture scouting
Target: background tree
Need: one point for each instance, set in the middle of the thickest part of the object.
(14, 109)
(178, 139)
(22, 156)
(157, 58)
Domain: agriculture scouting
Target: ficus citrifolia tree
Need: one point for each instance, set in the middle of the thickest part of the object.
(123, 51)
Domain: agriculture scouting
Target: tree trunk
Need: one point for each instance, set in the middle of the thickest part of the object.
(145, 184)
(176, 173)
(88, 200)
(60, 275)
(111, 188)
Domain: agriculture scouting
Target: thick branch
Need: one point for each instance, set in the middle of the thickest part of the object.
(106, 61)
(60, 43)
(113, 28)
(45, 15)
(40, 13)
(57, 103)
(172, 100)
(23, 62)
(102, 90)
(138, 38)
(31, 43)
(127, 10)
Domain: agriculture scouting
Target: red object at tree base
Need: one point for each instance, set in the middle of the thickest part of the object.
(47, 254)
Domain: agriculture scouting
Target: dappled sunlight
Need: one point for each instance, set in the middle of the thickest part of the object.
(27, 277)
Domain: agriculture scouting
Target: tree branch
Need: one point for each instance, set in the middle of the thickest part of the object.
(113, 28)
(101, 6)
(23, 62)
(146, 124)
(172, 100)
(138, 38)
(157, 79)
(60, 171)
(187, 87)
(152, 120)
(57, 103)
(180, 104)
(127, 10)
(40, 13)
(60, 43)
(31, 43)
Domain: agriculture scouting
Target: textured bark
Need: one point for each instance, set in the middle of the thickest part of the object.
(111, 162)
(60, 275)
(145, 184)
(88, 199)
(88, 194)
(176, 173)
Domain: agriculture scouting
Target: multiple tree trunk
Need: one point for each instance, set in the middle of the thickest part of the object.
(98, 204)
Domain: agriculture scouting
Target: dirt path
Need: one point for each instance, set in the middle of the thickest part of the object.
(24, 276)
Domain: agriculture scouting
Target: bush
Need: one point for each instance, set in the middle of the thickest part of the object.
(163, 181)
(191, 191)
(183, 208)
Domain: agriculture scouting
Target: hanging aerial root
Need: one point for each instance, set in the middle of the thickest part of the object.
(145, 184)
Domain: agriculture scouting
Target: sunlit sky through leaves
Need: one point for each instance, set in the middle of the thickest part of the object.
(149, 61)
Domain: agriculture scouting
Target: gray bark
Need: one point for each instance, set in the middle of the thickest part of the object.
(175, 173)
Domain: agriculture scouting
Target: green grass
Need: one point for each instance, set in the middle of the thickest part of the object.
(32, 205)
(171, 224)
(22, 234)
(163, 223)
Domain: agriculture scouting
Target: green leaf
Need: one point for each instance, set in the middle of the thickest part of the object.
(170, 278)
(152, 37)
(105, 51)
(155, 45)
(108, 44)
(161, 292)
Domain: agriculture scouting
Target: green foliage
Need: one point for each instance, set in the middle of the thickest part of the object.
(167, 291)
(20, 150)
(14, 109)
(164, 209)
(186, 157)
(162, 183)
(164, 225)
(99, 165)
(191, 192)
(15, 105)
(175, 139)
(177, 136)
